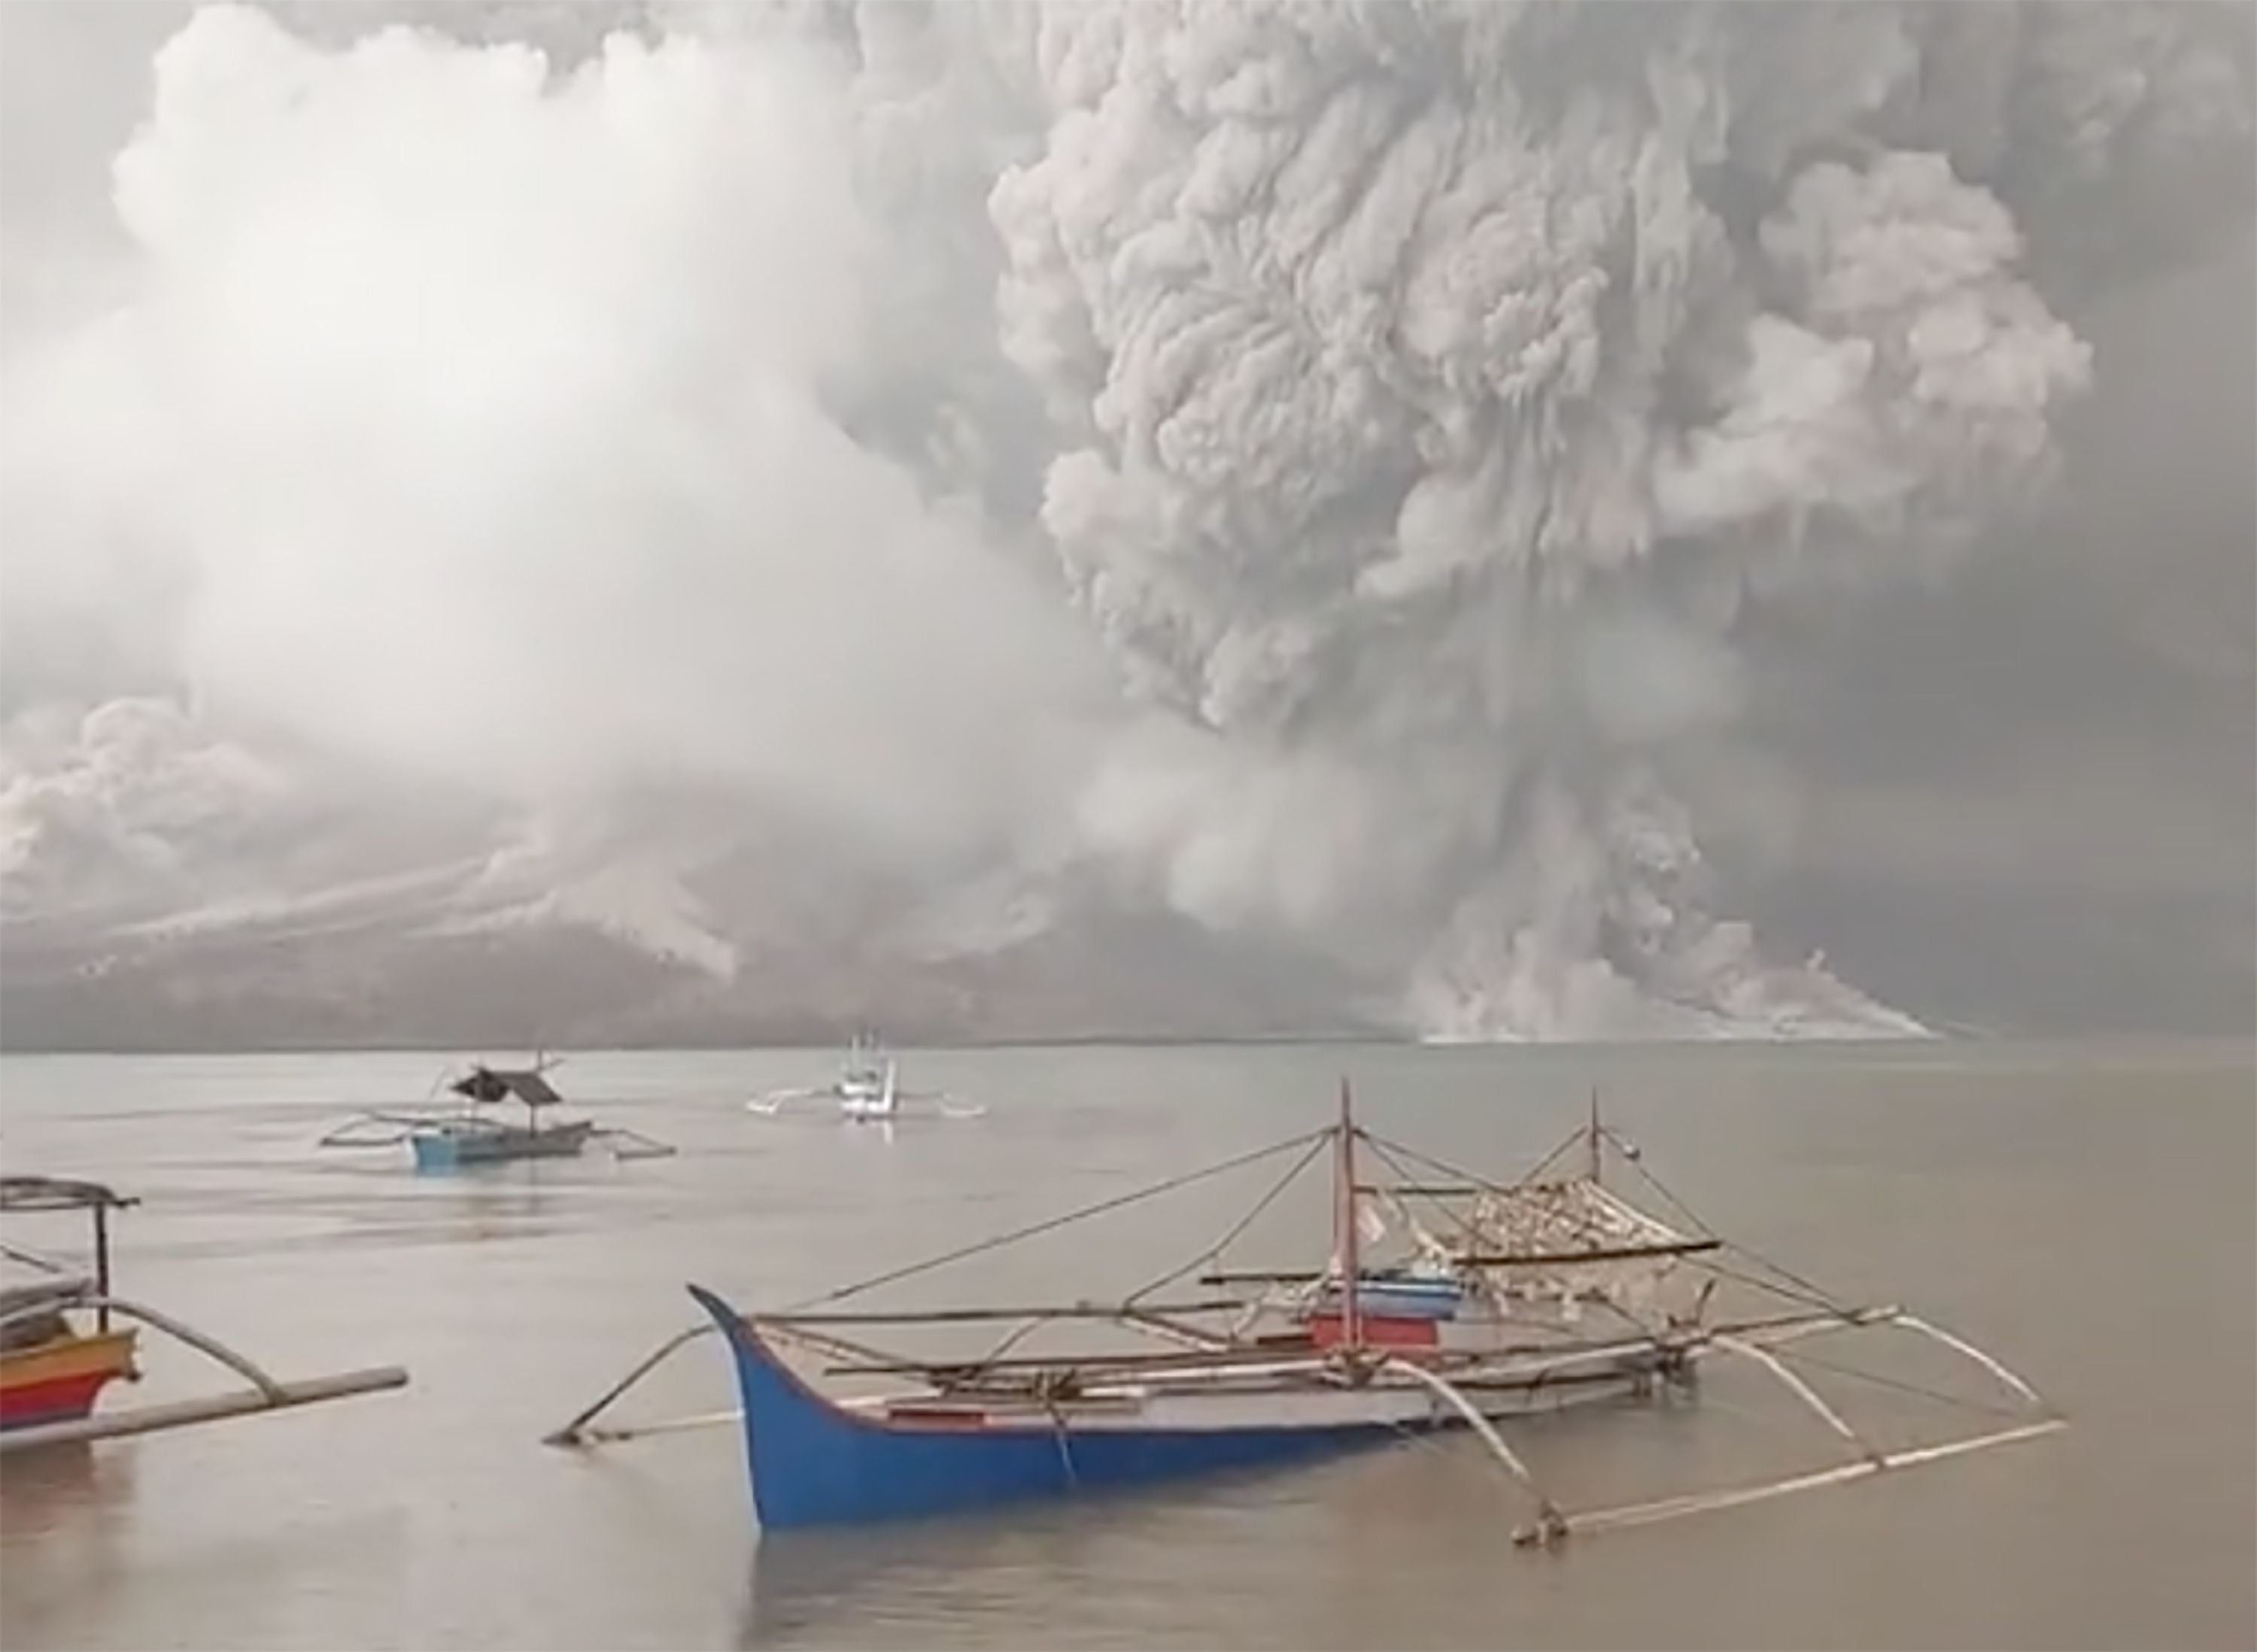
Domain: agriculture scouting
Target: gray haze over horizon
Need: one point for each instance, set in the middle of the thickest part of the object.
(703, 521)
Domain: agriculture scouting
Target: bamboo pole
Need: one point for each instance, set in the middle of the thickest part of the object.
(1704, 1502)
(185, 1413)
(1345, 1236)
(575, 1432)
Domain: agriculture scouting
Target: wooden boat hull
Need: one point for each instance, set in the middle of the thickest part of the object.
(60, 1381)
(1371, 1354)
(815, 1462)
(449, 1149)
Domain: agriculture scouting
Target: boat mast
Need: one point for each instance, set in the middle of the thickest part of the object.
(1594, 1135)
(1344, 1233)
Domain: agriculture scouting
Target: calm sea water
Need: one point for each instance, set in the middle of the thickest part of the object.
(2088, 1214)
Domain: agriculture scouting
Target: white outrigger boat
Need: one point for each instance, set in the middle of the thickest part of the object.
(1505, 1299)
(867, 1090)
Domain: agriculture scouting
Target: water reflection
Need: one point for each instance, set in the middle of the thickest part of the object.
(41, 1489)
(807, 1586)
(63, 1514)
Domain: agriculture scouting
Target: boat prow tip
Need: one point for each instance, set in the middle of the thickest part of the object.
(743, 1337)
(710, 1301)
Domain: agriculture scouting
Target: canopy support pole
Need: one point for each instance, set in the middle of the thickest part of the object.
(102, 1267)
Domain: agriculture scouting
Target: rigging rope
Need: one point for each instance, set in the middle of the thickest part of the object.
(1810, 1296)
(1050, 1225)
(1430, 1163)
(1937, 1394)
(1466, 1226)
(1795, 1285)
(32, 1259)
(1214, 1251)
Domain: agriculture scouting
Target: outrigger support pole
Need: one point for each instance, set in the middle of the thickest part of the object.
(1872, 1460)
(637, 1144)
(1801, 1391)
(1959, 1345)
(576, 1433)
(1705, 1502)
(105, 1304)
(265, 1394)
(1550, 1523)
(272, 1391)
(242, 1403)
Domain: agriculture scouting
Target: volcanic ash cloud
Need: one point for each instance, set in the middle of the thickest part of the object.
(1441, 381)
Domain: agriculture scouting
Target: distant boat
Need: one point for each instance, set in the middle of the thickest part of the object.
(1513, 1298)
(61, 1347)
(466, 1136)
(868, 1089)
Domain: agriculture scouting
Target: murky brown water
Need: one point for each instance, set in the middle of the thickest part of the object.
(2089, 1215)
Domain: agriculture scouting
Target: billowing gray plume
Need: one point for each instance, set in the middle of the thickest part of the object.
(1437, 381)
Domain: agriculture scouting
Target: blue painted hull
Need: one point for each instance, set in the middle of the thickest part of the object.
(446, 1150)
(814, 1463)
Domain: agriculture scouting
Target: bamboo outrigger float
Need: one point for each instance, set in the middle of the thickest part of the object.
(452, 1138)
(1507, 1299)
(53, 1368)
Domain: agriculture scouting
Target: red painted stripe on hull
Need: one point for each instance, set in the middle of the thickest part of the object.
(936, 1416)
(56, 1399)
(1378, 1331)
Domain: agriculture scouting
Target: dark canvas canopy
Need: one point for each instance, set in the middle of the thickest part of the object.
(57, 1193)
(494, 1083)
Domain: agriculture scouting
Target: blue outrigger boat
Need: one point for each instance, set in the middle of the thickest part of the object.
(466, 1136)
(1519, 1298)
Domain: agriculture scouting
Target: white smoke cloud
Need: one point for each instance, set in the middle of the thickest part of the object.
(477, 418)
(1412, 397)
(117, 796)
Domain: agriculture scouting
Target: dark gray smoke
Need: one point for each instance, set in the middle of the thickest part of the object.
(1440, 384)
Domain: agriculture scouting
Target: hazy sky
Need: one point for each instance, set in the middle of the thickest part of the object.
(1499, 528)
